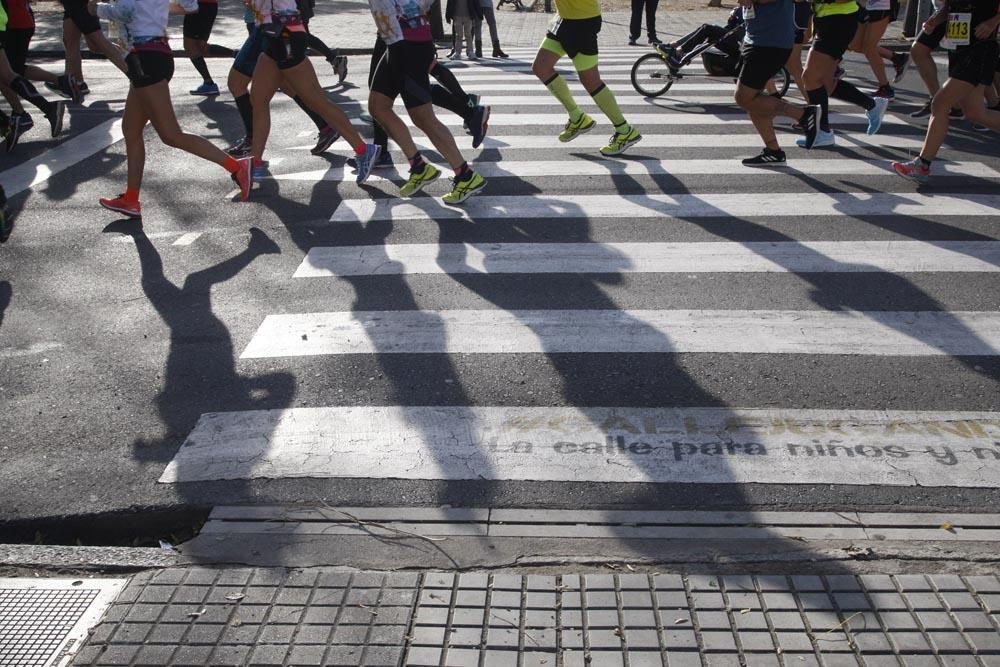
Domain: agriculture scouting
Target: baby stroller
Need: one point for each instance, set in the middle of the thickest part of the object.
(718, 47)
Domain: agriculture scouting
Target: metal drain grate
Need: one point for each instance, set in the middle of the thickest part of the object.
(42, 621)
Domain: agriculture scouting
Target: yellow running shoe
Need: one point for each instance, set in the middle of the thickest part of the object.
(462, 190)
(419, 179)
(583, 124)
(620, 141)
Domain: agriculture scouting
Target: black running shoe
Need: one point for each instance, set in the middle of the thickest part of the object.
(809, 124)
(767, 158)
(6, 223)
(241, 148)
(56, 118)
(956, 114)
(922, 112)
(899, 63)
(18, 126)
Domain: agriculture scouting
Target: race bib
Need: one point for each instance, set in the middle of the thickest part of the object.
(959, 29)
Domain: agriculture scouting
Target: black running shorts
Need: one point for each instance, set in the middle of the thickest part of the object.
(199, 25)
(156, 65)
(403, 71)
(834, 34)
(760, 64)
(288, 49)
(874, 15)
(974, 64)
(577, 36)
(932, 40)
(803, 14)
(76, 11)
(15, 45)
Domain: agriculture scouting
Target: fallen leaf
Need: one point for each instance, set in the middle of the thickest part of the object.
(196, 614)
(947, 526)
(234, 597)
(619, 633)
(744, 611)
(678, 621)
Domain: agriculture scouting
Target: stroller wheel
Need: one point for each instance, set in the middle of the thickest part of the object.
(651, 76)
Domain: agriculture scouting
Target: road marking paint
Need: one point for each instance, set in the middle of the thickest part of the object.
(33, 349)
(690, 445)
(594, 141)
(721, 167)
(714, 257)
(925, 333)
(624, 207)
(61, 157)
(640, 120)
(187, 239)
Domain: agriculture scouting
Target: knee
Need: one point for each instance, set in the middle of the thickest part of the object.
(744, 97)
(172, 139)
(542, 71)
(940, 106)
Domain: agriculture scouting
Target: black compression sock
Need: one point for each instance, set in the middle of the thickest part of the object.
(448, 80)
(313, 116)
(850, 93)
(819, 96)
(199, 64)
(26, 91)
(442, 98)
(245, 108)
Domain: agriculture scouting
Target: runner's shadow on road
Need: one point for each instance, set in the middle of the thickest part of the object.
(6, 295)
(199, 374)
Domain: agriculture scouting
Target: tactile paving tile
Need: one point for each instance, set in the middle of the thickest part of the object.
(39, 619)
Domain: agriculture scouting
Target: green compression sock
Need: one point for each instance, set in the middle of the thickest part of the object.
(560, 90)
(606, 101)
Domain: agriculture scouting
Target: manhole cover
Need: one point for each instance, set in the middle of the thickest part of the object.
(44, 621)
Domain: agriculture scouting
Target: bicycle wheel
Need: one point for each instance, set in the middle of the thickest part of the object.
(650, 75)
(781, 82)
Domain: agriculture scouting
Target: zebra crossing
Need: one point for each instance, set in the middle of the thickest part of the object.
(832, 234)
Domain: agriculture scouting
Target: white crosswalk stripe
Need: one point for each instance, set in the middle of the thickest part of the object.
(875, 258)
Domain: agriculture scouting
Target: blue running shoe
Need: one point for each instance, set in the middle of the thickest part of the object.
(206, 89)
(876, 113)
(366, 162)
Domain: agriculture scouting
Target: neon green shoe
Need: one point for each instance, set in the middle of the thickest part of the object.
(620, 141)
(462, 190)
(418, 179)
(583, 124)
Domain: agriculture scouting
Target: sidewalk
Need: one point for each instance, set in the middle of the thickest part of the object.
(332, 616)
(348, 26)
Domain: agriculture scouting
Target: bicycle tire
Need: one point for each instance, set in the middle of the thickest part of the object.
(656, 81)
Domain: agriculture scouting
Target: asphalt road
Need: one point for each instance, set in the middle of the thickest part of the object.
(116, 337)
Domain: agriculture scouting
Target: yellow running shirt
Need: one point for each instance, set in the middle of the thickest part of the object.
(578, 9)
(833, 8)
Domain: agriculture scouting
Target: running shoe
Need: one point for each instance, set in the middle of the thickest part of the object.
(876, 113)
(130, 209)
(384, 161)
(6, 222)
(27, 122)
(18, 126)
(809, 125)
(479, 125)
(767, 158)
(572, 130)
(84, 88)
(956, 114)
(915, 170)
(463, 188)
(980, 128)
(241, 148)
(365, 163)
(326, 137)
(922, 112)
(472, 100)
(886, 92)
(900, 61)
(243, 177)
(418, 179)
(620, 142)
(632, 41)
(339, 64)
(822, 139)
(56, 118)
(206, 90)
(75, 89)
